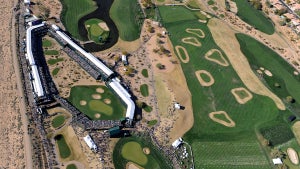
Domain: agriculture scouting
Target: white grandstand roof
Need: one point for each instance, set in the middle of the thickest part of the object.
(176, 143)
(90, 142)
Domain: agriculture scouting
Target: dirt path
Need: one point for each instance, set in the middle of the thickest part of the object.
(239, 62)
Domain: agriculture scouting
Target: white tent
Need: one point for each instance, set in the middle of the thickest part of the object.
(276, 161)
(90, 143)
(177, 142)
(26, 1)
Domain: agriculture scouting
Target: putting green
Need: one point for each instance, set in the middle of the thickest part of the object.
(99, 106)
(133, 151)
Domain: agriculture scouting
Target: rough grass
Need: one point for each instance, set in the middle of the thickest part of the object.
(64, 150)
(125, 15)
(79, 93)
(47, 43)
(254, 17)
(54, 61)
(133, 151)
(71, 166)
(95, 31)
(282, 72)
(58, 121)
(51, 52)
(144, 90)
(55, 71)
(154, 160)
(145, 73)
(73, 10)
(193, 4)
(277, 133)
(211, 2)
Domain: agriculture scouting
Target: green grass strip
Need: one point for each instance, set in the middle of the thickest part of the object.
(144, 90)
(64, 150)
(58, 121)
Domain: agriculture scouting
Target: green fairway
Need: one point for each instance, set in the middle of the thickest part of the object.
(58, 121)
(282, 72)
(71, 166)
(131, 149)
(92, 103)
(247, 117)
(147, 108)
(127, 15)
(254, 17)
(175, 13)
(47, 43)
(152, 122)
(54, 61)
(55, 71)
(51, 52)
(73, 10)
(144, 90)
(64, 150)
(97, 33)
(145, 73)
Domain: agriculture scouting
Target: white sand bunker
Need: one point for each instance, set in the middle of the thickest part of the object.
(202, 21)
(241, 95)
(97, 115)
(131, 165)
(146, 150)
(192, 41)
(82, 102)
(259, 71)
(293, 156)
(296, 73)
(99, 90)
(186, 57)
(204, 82)
(268, 73)
(96, 96)
(216, 56)
(228, 123)
(107, 101)
(103, 26)
(197, 32)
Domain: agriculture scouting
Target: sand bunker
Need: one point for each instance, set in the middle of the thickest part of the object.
(259, 71)
(99, 90)
(131, 165)
(192, 41)
(231, 123)
(107, 101)
(146, 150)
(296, 73)
(219, 58)
(293, 156)
(103, 26)
(268, 73)
(82, 102)
(241, 95)
(202, 21)
(97, 115)
(197, 32)
(185, 59)
(202, 81)
(96, 96)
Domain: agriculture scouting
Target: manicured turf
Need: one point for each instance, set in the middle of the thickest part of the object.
(242, 94)
(152, 122)
(254, 17)
(175, 13)
(193, 4)
(73, 10)
(133, 151)
(71, 166)
(126, 14)
(205, 77)
(47, 43)
(217, 97)
(130, 149)
(58, 121)
(51, 52)
(55, 71)
(147, 108)
(216, 56)
(145, 73)
(144, 90)
(54, 61)
(64, 150)
(96, 33)
(210, 2)
(282, 72)
(115, 110)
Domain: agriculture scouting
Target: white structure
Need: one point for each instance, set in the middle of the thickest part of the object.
(177, 142)
(36, 81)
(26, 2)
(125, 96)
(124, 59)
(89, 56)
(177, 106)
(276, 161)
(88, 140)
